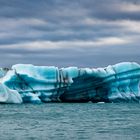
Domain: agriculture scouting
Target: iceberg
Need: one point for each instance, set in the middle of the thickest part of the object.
(26, 83)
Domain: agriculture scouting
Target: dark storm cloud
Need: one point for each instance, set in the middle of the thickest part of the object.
(114, 10)
(69, 32)
(49, 9)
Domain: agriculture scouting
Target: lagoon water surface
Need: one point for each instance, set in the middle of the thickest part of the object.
(64, 121)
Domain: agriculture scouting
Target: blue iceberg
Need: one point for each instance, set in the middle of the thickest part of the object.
(26, 83)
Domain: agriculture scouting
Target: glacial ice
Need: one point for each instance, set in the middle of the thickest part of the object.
(26, 83)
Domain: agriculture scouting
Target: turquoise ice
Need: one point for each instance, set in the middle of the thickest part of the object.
(36, 84)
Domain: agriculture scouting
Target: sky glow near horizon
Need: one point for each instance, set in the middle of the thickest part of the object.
(83, 33)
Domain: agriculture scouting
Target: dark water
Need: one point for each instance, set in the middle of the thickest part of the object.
(63, 121)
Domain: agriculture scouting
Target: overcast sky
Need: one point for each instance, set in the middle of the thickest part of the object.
(83, 33)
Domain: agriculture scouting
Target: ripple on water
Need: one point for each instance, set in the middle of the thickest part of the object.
(70, 121)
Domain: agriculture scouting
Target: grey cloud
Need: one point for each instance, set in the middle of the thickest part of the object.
(32, 21)
(63, 57)
(54, 10)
